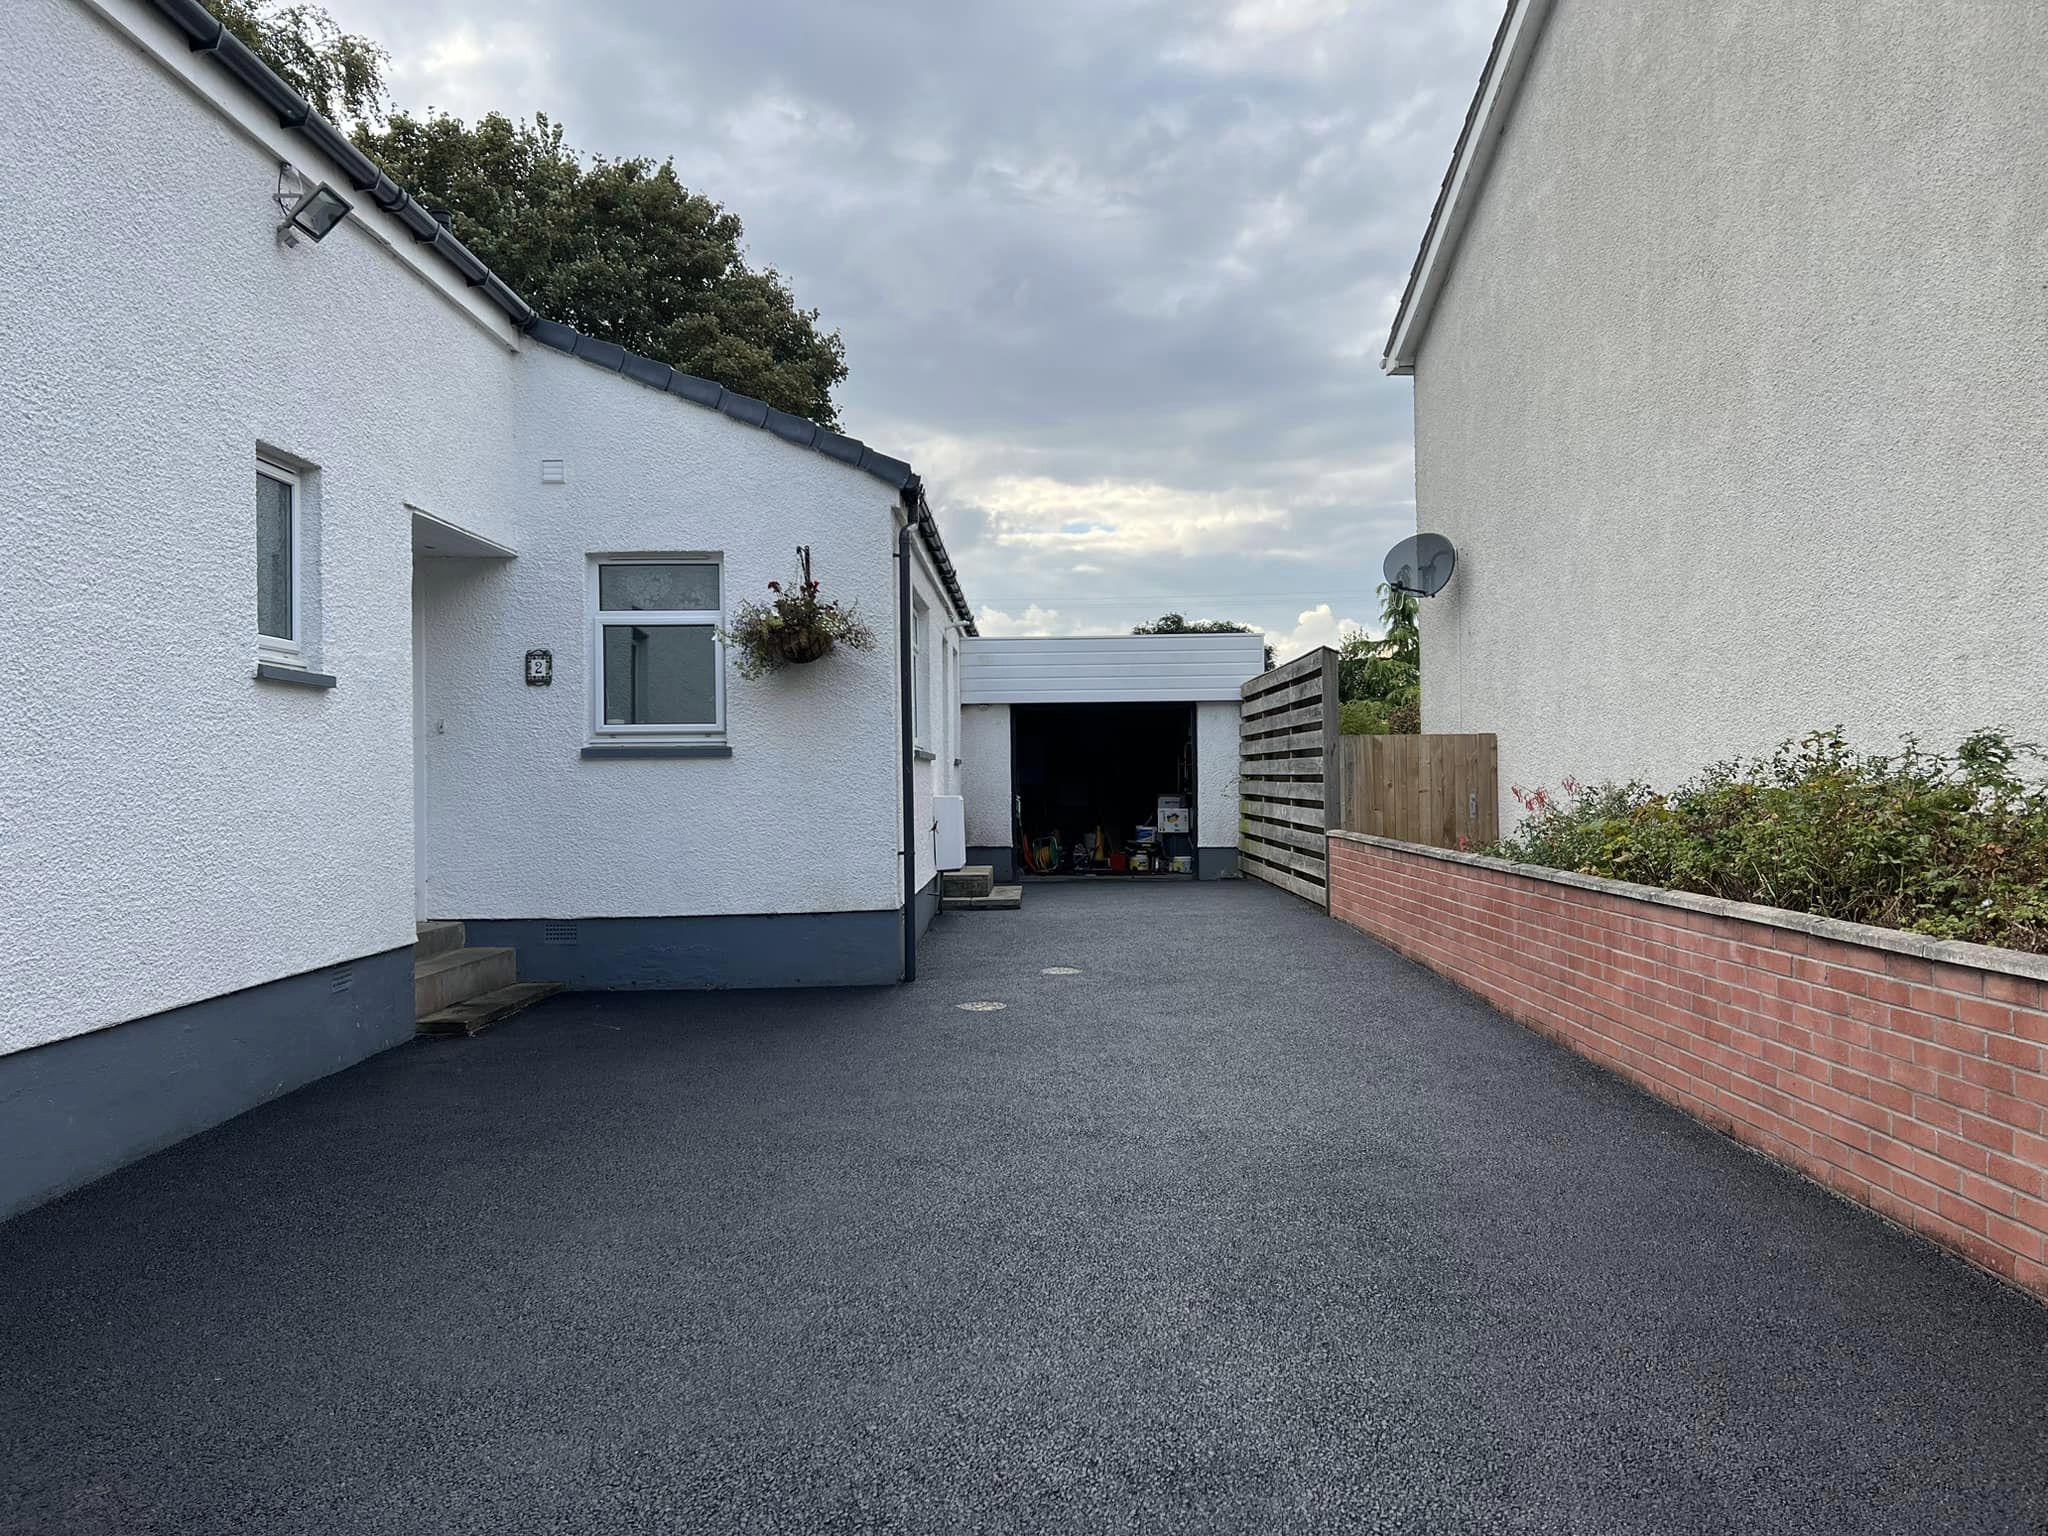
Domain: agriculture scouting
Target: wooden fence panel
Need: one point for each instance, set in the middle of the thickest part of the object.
(1442, 790)
(1292, 792)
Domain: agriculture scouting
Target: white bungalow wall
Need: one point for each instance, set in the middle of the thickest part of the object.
(802, 817)
(171, 829)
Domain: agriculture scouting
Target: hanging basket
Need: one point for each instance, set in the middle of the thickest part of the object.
(797, 646)
(794, 626)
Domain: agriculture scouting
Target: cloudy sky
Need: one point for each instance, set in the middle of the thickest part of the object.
(1114, 275)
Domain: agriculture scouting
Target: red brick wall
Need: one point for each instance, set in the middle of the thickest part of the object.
(1916, 1087)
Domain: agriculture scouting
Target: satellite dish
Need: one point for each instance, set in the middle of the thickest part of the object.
(1422, 564)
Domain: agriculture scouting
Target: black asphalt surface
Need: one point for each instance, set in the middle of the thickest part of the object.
(1250, 1226)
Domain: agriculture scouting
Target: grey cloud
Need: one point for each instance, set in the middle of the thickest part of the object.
(1123, 243)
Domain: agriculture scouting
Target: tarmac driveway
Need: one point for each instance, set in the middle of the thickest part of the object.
(1249, 1225)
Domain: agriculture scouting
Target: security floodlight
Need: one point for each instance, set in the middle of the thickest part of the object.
(314, 215)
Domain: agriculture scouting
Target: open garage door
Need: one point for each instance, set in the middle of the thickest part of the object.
(1105, 790)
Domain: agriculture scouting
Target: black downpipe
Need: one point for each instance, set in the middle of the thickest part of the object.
(905, 685)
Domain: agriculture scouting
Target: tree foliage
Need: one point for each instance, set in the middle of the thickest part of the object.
(1951, 844)
(1180, 624)
(1379, 679)
(620, 249)
(341, 73)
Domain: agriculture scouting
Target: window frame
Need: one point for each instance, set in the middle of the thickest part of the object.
(920, 673)
(293, 647)
(677, 618)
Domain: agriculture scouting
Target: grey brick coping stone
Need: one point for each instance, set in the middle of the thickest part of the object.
(1981, 957)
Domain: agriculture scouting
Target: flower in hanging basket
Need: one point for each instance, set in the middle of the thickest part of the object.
(794, 626)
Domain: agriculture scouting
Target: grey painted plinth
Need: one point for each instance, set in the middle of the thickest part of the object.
(1002, 860)
(689, 954)
(77, 1109)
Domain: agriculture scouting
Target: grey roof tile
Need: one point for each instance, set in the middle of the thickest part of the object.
(552, 333)
(847, 450)
(697, 391)
(646, 370)
(744, 408)
(606, 354)
(890, 471)
(800, 430)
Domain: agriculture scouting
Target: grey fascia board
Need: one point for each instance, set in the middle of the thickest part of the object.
(297, 677)
(658, 749)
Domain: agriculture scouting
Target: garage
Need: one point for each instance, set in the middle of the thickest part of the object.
(1111, 758)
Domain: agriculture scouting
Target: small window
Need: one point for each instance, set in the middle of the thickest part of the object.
(920, 671)
(660, 667)
(278, 620)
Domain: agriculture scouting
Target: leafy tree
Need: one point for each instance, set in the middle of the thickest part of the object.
(620, 249)
(341, 73)
(1383, 672)
(1179, 624)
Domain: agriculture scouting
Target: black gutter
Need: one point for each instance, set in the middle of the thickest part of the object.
(905, 682)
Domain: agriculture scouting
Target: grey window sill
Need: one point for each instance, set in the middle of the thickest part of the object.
(296, 677)
(659, 749)
(924, 754)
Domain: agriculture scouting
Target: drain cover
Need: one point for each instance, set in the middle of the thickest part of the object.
(1061, 970)
(984, 1007)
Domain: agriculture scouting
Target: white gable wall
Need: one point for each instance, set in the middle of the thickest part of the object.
(171, 829)
(1733, 401)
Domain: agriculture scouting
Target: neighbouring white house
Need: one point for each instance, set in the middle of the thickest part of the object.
(1729, 337)
(1071, 739)
(343, 592)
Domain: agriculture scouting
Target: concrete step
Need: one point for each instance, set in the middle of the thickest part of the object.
(475, 1015)
(437, 939)
(974, 880)
(444, 980)
(1001, 898)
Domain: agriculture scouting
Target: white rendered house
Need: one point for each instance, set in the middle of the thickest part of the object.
(343, 591)
(1730, 359)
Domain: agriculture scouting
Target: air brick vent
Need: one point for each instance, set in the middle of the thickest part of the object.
(558, 933)
(341, 980)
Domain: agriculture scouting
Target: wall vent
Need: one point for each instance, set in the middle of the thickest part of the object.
(558, 933)
(341, 980)
(554, 472)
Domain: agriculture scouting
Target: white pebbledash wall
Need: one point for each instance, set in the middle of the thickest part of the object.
(170, 829)
(802, 817)
(1733, 401)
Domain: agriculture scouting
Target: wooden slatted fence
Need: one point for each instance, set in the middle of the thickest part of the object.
(1442, 790)
(1289, 788)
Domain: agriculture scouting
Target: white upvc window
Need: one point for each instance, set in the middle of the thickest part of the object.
(280, 610)
(920, 672)
(657, 663)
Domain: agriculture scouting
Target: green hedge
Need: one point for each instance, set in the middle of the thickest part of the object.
(1949, 844)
